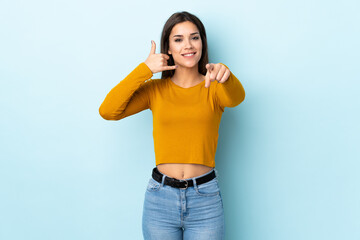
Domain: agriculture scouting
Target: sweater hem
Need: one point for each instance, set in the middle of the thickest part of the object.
(209, 164)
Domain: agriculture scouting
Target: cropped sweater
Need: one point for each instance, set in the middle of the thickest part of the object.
(185, 120)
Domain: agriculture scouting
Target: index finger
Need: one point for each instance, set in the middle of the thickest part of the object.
(207, 79)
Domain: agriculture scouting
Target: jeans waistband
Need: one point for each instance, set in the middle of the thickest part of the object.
(183, 183)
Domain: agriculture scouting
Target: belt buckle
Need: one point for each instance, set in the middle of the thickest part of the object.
(185, 185)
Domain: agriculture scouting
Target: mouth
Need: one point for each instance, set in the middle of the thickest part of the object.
(188, 55)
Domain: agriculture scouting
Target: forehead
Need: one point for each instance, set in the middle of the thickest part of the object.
(184, 28)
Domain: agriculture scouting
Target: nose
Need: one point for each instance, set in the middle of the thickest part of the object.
(188, 44)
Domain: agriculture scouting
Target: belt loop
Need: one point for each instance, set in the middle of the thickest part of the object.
(194, 182)
(216, 173)
(162, 180)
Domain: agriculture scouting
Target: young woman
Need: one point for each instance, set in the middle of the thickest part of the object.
(182, 198)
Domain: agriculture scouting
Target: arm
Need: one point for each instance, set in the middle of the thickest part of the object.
(230, 93)
(128, 97)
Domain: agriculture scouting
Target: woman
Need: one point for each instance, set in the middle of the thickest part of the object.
(182, 199)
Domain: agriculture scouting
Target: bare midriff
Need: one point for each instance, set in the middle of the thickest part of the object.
(183, 170)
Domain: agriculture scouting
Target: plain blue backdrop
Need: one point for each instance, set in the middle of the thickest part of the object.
(288, 157)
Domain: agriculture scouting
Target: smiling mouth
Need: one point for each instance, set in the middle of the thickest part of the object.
(188, 54)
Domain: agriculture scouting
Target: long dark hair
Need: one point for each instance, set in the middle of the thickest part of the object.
(174, 19)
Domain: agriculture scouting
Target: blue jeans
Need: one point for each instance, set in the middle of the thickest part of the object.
(194, 213)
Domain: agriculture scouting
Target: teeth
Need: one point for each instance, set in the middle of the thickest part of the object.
(189, 54)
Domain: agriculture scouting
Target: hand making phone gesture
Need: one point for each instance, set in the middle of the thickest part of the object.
(158, 62)
(216, 71)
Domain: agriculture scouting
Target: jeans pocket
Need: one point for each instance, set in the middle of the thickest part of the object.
(153, 185)
(210, 188)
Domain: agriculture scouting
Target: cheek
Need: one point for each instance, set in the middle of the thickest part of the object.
(177, 50)
(199, 46)
(173, 48)
(200, 50)
(177, 53)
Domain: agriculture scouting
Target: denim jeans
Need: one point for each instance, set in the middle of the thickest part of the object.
(194, 213)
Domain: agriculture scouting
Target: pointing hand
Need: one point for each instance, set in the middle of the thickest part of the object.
(216, 71)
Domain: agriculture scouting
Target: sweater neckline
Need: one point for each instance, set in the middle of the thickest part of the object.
(197, 85)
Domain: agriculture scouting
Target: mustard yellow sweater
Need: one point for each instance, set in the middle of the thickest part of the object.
(185, 120)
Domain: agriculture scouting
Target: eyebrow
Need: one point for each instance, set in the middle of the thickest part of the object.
(182, 35)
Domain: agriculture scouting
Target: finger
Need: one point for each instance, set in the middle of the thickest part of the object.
(210, 66)
(164, 62)
(153, 47)
(207, 78)
(165, 56)
(213, 74)
(225, 76)
(220, 74)
(169, 68)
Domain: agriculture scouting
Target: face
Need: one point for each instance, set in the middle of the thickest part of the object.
(185, 38)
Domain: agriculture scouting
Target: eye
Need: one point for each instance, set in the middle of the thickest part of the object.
(179, 39)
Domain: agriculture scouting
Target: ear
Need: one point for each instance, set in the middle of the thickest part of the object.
(169, 52)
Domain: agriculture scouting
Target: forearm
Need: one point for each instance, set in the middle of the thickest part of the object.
(230, 93)
(117, 99)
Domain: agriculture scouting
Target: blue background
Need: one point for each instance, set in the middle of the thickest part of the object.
(288, 157)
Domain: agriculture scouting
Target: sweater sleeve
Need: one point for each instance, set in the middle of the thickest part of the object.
(129, 96)
(230, 93)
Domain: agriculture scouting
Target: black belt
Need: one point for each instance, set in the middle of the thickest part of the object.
(173, 182)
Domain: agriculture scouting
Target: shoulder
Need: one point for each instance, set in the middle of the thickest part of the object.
(154, 84)
(157, 82)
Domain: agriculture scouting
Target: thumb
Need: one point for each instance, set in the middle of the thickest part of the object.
(209, 66)
(153, 47)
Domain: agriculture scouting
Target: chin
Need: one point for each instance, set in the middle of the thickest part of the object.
(189, 64)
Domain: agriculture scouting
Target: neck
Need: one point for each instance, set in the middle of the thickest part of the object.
(187, 77)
